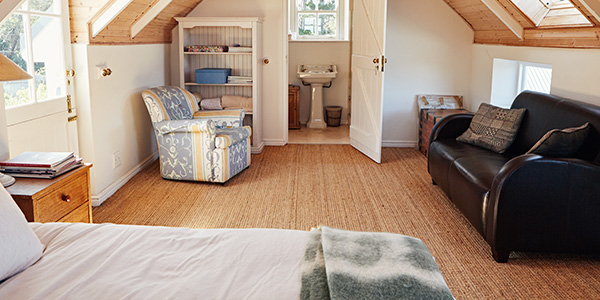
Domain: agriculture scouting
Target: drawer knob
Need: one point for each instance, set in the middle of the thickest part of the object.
(66, 198)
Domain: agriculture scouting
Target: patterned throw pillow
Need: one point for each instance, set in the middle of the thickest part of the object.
(561, 143)
(493, 128)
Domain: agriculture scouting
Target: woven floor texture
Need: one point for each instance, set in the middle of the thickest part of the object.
(303, 186)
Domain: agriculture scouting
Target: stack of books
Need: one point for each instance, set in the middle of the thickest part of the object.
(239, 79)
(40, 164)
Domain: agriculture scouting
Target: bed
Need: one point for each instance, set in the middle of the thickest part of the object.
(108, 261)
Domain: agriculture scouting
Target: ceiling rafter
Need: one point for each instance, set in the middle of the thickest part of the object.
(590, 9)
(107, 14)
(148, 16)
(505, 17)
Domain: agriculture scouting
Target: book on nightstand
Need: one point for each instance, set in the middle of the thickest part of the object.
(40, 164)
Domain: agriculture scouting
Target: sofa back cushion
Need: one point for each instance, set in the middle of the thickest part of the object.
(546, 112)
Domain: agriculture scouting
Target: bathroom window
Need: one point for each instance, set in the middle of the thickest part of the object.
(319, 19)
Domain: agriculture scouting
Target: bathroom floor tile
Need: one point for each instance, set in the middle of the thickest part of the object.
(329, 135)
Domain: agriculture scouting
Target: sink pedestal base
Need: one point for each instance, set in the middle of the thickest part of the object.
(316, 107)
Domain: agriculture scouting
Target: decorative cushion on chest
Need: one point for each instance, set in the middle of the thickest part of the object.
(231, 136)
(19, 246)
(493, 128)
(561, 143)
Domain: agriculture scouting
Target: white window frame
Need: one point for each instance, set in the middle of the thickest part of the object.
(24, 10)
(342, 24)
(523, 73)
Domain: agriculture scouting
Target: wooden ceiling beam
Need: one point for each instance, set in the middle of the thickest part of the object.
(581, 38)
(592, 6)
(148, 16)
(506, 18)
(107, 15)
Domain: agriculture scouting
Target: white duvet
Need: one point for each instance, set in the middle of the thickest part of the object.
(107, 261)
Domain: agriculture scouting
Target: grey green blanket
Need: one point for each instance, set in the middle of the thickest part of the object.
(341, 264)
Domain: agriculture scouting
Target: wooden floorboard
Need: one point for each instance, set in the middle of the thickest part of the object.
(304, 186)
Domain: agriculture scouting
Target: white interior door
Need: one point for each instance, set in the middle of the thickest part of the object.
(37, 110)
(368, 61)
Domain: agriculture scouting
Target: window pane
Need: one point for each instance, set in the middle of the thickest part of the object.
(12, 45)
(327, 5)
(50, 6)
(307, 24)
(537, 79)
(307, 5)
(327, 24)
(48, 57)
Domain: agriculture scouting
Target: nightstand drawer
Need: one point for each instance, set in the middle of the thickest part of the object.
(62, 199)
(79, 215)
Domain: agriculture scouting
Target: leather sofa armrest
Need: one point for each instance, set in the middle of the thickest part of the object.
(450, 127)
(540, 203)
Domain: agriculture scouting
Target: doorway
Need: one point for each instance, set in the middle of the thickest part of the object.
(319, 34)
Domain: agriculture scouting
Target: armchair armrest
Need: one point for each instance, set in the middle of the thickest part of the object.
(539, 203)
(450, 127)
(227, 118)
(185, 126)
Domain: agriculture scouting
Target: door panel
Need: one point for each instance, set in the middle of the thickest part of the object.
(368, 42)
(43, 124)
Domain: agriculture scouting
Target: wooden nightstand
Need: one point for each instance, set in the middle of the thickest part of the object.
(65, 198)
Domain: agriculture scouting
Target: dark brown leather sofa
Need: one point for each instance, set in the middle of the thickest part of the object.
(525, 202)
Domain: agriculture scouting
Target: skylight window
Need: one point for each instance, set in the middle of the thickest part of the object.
(552, 13)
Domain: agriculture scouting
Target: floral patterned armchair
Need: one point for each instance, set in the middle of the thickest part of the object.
(196, 145)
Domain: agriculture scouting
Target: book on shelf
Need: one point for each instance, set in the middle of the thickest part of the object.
(38, 159)
(240, 49)
(239, 79)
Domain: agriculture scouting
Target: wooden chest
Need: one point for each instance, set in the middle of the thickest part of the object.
(293, 103)
(427, 119)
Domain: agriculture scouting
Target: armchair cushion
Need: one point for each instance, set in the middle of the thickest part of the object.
(230, 136)
(227, 118)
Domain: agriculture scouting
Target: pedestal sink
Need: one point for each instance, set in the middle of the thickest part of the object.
(316, 76)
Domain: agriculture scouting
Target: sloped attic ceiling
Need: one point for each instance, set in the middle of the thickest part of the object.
(502, 22)
(112, 21)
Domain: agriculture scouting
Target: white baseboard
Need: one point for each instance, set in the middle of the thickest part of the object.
(111, 189)
(257, 149)
(275, 142)
(400, 144)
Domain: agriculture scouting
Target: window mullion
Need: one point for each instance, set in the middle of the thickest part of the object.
(30, 62)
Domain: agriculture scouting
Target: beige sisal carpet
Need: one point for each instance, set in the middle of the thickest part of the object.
(303, 186)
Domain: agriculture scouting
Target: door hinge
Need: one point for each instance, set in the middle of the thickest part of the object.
(72, 118)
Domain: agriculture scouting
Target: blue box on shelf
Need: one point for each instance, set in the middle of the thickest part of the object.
(212, 75)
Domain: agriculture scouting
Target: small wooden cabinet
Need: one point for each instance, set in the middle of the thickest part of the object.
(293, 107)
(65, 198)
(427, 119)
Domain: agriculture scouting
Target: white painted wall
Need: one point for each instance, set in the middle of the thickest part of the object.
(112, 114)
(505, 82)
(274, 46)
(575, 72)
(429, 52)
(327, 53)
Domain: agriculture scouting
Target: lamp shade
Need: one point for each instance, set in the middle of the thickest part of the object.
(10, 71)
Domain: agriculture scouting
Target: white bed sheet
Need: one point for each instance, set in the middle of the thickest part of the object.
(107, 261)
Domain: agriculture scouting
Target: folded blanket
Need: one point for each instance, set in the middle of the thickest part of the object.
(343, 264)
(229, 101)
(211, 104)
